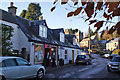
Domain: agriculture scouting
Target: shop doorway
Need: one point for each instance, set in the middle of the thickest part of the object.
(54, 54)
(48, 56)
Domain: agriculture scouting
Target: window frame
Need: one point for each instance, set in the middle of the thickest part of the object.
(21, 60)
(43, 31)
(62, 37)
(9, 59)
(66, 54)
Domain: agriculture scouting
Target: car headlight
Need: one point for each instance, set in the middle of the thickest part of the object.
(109, 65)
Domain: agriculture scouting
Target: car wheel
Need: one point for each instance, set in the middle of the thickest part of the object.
(3, 78)
(108, 69)
(40, 74)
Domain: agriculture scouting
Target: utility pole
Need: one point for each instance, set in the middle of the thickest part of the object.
(89, 39)
(118, 38)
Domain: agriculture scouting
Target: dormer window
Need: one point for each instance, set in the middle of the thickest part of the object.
(74, 40)
(42, 31)
(62, 37)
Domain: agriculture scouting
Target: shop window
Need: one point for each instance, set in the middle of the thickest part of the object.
(38, 53)
(65, 54)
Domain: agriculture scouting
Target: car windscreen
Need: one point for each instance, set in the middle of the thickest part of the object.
(80, 57)
(116, 59)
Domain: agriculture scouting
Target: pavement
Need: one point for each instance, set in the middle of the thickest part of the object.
(51, 69)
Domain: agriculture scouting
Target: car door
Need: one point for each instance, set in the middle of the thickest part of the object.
(10, 69)
(26, 70)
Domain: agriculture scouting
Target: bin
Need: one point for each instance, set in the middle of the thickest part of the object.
(61, 62)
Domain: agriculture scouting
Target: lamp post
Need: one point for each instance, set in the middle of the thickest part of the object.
(89, 39)
(118, 45)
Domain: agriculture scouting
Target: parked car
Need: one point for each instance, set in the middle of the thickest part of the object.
(106, 55)
(83, 59)
(114, 64)
(19, 68)
(112, 55)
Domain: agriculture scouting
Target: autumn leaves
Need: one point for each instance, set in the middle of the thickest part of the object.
(92, 7)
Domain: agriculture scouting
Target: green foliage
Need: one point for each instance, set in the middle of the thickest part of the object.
(105, 36)
(23, 13)
(115, 34)
(33, 12)
(6, 35)
(90, 32)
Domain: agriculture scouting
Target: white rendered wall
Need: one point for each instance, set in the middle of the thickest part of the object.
(19, 39)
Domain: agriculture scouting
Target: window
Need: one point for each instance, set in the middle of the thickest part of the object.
(115, 45)
(62, 36)
(42, 31)
(38, 57)
(2, 64)
(10, 62)
(65, 54)
(21, 62)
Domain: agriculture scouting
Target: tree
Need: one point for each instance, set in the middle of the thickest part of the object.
(33, 12)
(115, 35)
(91, 10)
(106, 36)
(6, 43)
(90, 32)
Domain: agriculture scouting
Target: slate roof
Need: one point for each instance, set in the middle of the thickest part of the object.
(31, 30)
(69, 38)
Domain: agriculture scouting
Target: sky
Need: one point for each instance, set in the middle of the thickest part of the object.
(56, 19)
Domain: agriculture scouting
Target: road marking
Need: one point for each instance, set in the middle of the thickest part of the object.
(83, 69)
(65, 76)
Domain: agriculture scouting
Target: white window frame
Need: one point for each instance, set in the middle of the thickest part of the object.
(42, 31)
(62, 37)
(66, 52)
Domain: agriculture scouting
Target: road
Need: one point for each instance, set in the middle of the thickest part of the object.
(96, 70)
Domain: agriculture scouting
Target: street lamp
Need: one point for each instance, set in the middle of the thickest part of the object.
(89, 39)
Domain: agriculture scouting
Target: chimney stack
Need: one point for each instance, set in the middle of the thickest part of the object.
(12, 9)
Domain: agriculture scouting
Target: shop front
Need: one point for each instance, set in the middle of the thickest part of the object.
(38, 53)
(47, 54)
(54, 53)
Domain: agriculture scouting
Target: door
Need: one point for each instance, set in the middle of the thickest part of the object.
(26, 70)
(72, 56)
(10, 69)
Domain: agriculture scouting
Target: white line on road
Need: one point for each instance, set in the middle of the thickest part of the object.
(83, 69)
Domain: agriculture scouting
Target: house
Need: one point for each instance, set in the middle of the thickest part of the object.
(102, 44)
(77, 33)
(113, 44)
(94, 43)
(34, 39)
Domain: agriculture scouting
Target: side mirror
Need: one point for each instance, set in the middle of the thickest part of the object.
(28, 64)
